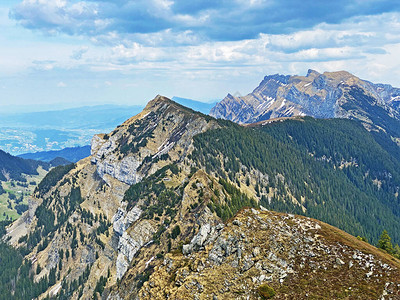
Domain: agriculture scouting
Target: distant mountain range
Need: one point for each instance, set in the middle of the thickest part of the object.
(86, 117)
(55, 130)
(203, 107)
(70, 154)
(328, 95)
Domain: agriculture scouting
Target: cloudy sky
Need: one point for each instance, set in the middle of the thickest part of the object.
(74, 52)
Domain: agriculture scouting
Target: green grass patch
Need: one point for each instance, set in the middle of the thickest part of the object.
(265, 291)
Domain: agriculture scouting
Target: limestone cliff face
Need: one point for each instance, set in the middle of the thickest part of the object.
(131, 242)
(327, 95)
(108, 164)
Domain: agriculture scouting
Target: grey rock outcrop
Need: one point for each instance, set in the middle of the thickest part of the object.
(291, 252)
(122, 220)
(130, 242)
(107, 162)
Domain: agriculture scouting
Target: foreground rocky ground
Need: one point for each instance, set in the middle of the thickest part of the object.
(298, 257)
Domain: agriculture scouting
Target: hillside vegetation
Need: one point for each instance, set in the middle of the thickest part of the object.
(332, 170)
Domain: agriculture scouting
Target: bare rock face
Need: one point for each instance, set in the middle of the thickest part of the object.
(122, 265)
(206, 234)
(122, 220)
(107, 162)
(130, 242)
(21, 227)
(327, 95)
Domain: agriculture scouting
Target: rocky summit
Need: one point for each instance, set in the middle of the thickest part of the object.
(156, 212)
(328, 95)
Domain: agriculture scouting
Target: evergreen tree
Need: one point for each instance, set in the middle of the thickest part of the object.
(396, 251)
(385, 242)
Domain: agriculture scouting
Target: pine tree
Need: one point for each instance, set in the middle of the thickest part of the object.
(396, 251)
(385, 242)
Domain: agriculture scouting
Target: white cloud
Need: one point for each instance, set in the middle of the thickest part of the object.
(52, 16)
(78, 54)
(325, 43)
(138, 53)
(219, 20)
(99, 51)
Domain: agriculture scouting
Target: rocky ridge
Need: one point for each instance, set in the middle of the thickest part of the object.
(298, 257)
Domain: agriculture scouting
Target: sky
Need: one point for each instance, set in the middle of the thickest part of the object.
(69, 53)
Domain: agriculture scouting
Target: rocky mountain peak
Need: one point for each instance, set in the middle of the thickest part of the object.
(271, 83)
(277, 77)
(342, 77)
(158, 106)
(312, 73)
(160, 134)
(327, 95)
(157, 101)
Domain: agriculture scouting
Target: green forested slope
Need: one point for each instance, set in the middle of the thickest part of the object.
(345, 175)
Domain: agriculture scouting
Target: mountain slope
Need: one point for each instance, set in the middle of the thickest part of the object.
(327, 95)
(81, 208)
(12, 167)
(152, 212)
